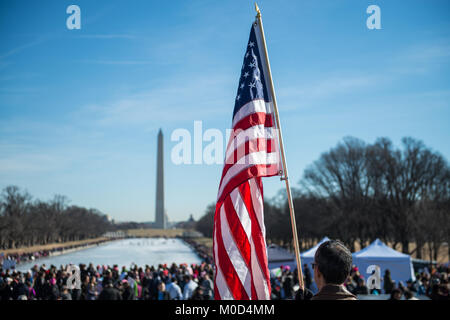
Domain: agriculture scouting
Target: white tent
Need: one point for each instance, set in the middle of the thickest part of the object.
(377, 253)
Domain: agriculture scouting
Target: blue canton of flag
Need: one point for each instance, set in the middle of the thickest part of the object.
(251, 81)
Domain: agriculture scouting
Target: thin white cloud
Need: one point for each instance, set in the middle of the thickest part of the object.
(117, 62)
(421, 58)
(177, 101)
(28, 163)
(327, 87)
(427, 52)
(107, 36)
(11, 52)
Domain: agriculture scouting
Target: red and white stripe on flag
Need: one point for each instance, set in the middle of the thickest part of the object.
(240, 252)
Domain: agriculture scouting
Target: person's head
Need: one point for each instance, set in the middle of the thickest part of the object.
(396, 294)
(108, 284)
(332, 263)
(408, 294)
(161, 287)
(200, 290)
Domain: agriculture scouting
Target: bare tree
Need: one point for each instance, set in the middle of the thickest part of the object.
(24, 222)
(341, 176)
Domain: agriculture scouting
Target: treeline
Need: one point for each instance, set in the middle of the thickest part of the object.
(358, 192)
(27, 222)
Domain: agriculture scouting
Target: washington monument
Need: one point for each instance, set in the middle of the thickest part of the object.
(160, 217)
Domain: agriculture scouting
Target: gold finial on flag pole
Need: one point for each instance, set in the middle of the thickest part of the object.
(258, 13)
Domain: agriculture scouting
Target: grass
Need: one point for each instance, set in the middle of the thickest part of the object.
(150, 233)
(207, 242)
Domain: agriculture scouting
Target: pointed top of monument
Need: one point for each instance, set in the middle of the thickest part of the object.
(160, 131)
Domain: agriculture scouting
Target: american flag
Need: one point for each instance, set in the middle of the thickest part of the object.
(240, 253)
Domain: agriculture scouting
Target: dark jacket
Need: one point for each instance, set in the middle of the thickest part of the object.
(388, 285)
(6, 293)
(39, 288)
(110, 293)
(52, 292)
(128, 293)
(361, 290)
(334, 292)
(19, 289)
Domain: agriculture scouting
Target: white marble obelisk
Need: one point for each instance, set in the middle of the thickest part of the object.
(160, 217)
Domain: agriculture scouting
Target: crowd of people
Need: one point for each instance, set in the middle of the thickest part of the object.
(174, 282)
(433, 284)
(188, 282)
(191, 282)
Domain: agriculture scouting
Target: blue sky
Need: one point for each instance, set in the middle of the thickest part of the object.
(80, 109)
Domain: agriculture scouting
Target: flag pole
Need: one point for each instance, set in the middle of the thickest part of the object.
(285, 172)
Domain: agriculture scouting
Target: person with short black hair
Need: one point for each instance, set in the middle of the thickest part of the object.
(332, 265)
(409, 295)
(109, 292)
(396, 294)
